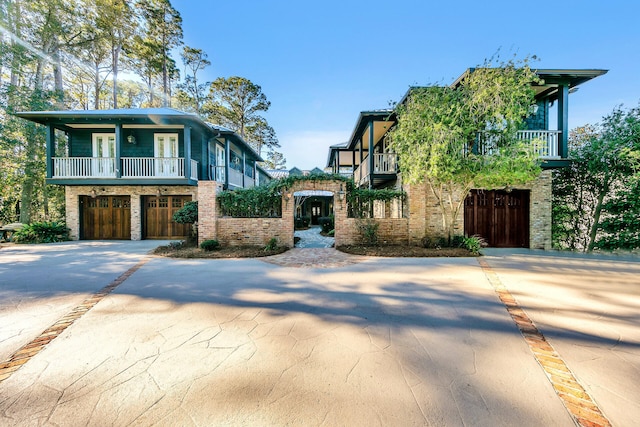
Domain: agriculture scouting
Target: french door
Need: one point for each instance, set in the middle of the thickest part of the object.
(104, 155)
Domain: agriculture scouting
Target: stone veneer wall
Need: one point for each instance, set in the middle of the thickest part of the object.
(73, 193)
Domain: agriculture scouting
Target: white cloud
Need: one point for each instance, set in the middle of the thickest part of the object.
(309, 149)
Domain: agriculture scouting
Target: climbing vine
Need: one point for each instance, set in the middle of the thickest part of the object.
(265, 201)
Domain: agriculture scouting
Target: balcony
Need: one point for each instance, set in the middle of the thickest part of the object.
(544, 141)
(385, 168)
(131, 168)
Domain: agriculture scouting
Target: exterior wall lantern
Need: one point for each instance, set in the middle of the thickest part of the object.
(131, 139)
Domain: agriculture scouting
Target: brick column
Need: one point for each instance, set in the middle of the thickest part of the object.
(207, 210)
(540, 212)
(72, 211)
(288, 204)
(417, 198)
(136, 214)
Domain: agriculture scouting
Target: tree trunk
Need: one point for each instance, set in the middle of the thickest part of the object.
(596, 221)
(57, 75)
(115, 55)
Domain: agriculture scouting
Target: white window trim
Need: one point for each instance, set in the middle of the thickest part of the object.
(94, 141)
(168, 136)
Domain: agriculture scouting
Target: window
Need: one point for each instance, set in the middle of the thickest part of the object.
(220, 163)
(248, 169)
(236, 161)
(165, 151)
(103, 163)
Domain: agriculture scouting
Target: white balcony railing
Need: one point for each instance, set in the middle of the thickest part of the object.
(383, 164)
(545, 142)
(235, 177)
(153, 167)
(82, 167)
(132, 167)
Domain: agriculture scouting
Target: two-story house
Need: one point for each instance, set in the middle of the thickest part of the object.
(506, 218)
(127, 171)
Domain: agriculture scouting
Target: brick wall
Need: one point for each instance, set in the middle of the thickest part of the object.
(540, 212)
(424, 217)
(391, 231)
(136, 192)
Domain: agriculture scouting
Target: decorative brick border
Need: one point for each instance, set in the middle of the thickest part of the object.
(581, 406)
(26, 352)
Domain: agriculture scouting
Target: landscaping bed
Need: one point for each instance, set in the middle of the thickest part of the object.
(405, 251)
(188, 251)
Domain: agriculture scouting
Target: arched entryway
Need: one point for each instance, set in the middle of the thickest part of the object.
(314, 218)
(312, 203)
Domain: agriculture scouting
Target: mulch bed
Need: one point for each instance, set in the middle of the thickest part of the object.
(405, 251)
(223, 252)
(255, 252)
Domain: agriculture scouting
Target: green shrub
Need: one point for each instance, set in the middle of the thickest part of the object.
(272, 245)
(473, 244)
(369, 231)
(331, 233)
(42, 232)
(188, 214)
(302, 222)
(210, 245)
(327, 223)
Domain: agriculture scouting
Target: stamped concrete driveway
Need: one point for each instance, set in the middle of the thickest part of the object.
(371, 342)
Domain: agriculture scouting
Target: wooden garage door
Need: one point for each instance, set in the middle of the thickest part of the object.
(158, 212)
(106, 217)
(501, 218)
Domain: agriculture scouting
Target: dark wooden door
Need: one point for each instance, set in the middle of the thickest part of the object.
(316, 212)
(500, 217)
(158, 212)
(106, 217)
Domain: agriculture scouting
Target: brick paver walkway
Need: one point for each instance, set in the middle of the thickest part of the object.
(313, 258)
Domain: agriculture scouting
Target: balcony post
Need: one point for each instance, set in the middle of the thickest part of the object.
(187, 152)
(563, 121)
(371, 169)
(204, 166)
(244, 168)
(118, 150)
(50, 148)
(227, 153)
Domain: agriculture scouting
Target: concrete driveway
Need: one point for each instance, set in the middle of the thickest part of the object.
(369, 342)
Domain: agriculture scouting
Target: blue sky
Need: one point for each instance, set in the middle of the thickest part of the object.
(321, 63)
